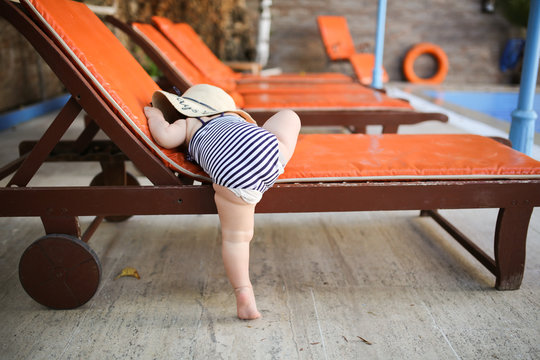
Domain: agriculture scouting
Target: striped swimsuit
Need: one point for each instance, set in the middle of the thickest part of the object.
(237, 154)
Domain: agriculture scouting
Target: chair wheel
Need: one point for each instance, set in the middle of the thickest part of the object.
(99, 180)
(60, 271)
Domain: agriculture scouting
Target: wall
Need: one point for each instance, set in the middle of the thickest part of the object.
(472, 40)
(24, 77)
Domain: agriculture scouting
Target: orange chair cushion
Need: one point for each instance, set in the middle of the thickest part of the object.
(300, 88)
(370, 100)
(359, 157)
(339, 46)
(187, 71)
(321, 157)
(363, 64)
(183, 67)
(336, 37)
(190, 44)
(180, 64)
(104, 60)
(99, 53)
(299, 77)
(266, 95)
(192, 47)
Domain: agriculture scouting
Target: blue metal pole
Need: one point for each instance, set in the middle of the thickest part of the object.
(524, 117)
(379, 46)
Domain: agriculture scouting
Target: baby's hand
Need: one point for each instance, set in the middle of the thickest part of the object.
(152, 112)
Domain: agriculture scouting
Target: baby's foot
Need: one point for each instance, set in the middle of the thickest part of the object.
(245, 303)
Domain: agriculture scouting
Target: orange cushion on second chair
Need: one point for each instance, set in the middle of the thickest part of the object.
(336, 37)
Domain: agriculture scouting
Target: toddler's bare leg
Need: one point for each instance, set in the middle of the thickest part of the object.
(286, 126)
(236, 217)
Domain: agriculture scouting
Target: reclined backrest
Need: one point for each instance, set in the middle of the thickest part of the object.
(181, 64)
(107, 64)
(336, 37)
(191, 45)
(339, 46)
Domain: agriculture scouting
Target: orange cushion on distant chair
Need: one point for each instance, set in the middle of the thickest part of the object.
(182, 66)
(299, 77)
(191, 45)
(336, 37)
(274, 95)
(372, 100)
(363, 64)
(187, 71)
(300, 88)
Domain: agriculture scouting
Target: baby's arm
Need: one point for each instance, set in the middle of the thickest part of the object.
(167, 135)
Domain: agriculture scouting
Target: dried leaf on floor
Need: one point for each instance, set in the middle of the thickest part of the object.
(129, 271)
(364, 340)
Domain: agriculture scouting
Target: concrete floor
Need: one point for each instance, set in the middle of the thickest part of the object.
(363, 285)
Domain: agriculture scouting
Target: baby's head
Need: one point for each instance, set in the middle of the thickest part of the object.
(198, 101)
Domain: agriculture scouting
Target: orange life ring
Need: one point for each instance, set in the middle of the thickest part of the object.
(425, 48)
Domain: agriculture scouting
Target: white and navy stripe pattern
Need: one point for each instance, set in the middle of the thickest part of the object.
(236, 154)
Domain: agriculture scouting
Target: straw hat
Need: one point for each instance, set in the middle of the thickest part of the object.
(199, 100)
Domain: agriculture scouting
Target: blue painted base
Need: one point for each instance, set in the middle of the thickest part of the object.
(15, 117)
(522, 130)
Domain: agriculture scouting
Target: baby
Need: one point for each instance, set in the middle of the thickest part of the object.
(243, 160)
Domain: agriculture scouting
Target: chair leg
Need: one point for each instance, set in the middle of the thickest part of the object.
(357, 129)
(87, 135)
(390, 128)
(114, 173)
(45, 145)
(57, 224)
(510, 246)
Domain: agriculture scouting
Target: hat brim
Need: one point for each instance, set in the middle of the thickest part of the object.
(172, 106)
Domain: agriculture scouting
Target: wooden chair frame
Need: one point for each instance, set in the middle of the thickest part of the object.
(59, 207)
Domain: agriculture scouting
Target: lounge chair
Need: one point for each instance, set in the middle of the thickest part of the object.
(339, 172)
(209, 67)
(195, 72)
(194, 48)
(355, 109)
(191, 45)
(339, 45)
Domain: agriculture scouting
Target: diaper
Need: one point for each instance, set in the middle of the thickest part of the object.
(254, 196)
